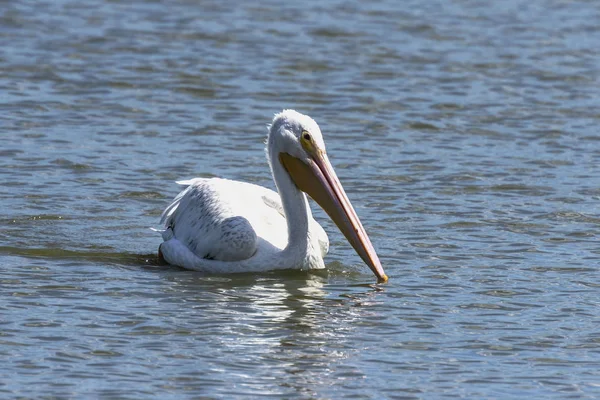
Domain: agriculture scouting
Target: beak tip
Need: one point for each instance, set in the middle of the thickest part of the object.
(382, 279)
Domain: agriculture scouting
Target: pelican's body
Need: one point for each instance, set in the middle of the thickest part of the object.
(224, 226)
(242, 223)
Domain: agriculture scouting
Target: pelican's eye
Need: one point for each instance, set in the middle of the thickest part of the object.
(308, 143)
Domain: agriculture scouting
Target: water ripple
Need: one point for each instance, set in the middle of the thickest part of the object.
(465, 134)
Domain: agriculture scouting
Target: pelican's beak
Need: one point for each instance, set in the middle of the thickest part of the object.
(319, 181)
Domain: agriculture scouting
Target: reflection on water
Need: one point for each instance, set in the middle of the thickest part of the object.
(465, 134)
(202, 330)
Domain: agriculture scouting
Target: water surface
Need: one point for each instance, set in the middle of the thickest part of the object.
(465, 133)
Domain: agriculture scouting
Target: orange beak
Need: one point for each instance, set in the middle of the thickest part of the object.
(319, 181)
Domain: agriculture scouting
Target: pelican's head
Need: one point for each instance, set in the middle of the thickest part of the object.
(301, 150)
(291, 131)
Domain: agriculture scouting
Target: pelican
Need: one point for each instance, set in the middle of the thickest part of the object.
(224, 226)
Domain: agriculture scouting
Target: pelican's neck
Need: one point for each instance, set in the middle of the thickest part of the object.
(295, 207)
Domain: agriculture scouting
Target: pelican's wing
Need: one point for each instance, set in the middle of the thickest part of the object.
(204, 218)
(225, 220)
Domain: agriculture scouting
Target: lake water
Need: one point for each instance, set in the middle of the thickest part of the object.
(465, 132)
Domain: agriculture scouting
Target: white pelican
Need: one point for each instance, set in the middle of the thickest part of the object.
(224, 226)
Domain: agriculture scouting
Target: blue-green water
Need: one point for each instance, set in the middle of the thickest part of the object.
(466, 133)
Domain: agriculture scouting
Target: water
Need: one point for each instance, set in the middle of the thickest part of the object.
(465, 133)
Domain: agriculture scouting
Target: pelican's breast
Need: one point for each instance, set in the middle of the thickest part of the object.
(315, 230)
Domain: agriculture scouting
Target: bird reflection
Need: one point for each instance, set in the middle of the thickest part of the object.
(298, 329)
